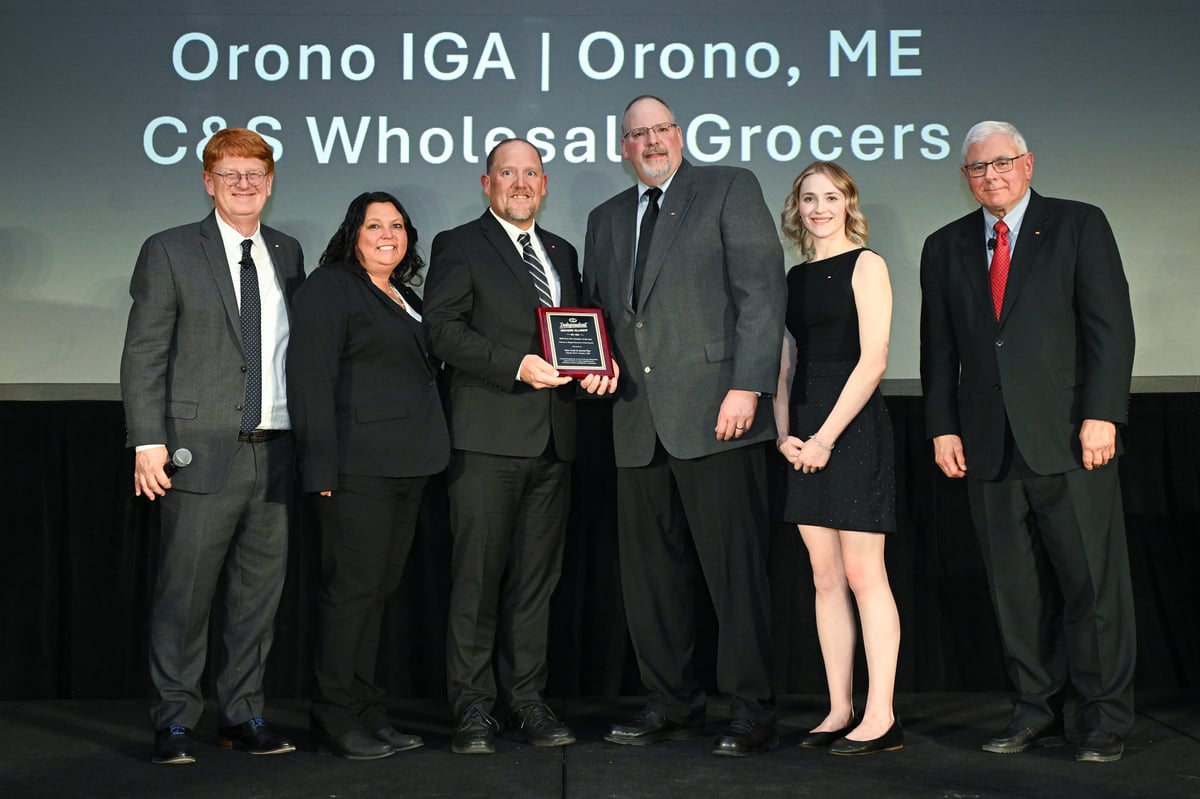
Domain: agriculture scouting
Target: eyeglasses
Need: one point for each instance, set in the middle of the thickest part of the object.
(979, 168)
(234, 178)
(640, 134)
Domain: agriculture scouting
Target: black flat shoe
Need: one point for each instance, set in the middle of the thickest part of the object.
(890, 740)
(821, 740)
(355, 745)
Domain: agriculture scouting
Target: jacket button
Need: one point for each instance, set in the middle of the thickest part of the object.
(239, 406)
(999, 342)
(243, 367)
(640, 325)
(996, 387)
(646, 370)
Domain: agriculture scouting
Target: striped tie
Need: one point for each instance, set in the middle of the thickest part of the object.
(535, 270)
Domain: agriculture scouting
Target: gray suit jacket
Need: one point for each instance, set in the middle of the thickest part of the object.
(183, 374)
(710, 317)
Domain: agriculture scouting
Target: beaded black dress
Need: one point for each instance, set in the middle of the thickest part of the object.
(857, 489)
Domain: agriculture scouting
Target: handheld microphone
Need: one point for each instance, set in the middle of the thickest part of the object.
(992, 243)
(181, 458)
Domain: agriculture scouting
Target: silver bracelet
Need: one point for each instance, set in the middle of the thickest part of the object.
(820, 443)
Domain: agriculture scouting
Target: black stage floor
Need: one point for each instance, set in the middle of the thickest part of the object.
(102, 749)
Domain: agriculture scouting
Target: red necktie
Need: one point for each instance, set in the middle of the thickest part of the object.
(998, 273)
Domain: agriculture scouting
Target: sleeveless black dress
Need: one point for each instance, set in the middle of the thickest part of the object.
(857, 489)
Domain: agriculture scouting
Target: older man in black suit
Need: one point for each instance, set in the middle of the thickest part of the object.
(203, 369)
(512, 429)
(697, 323)
(1026, 356)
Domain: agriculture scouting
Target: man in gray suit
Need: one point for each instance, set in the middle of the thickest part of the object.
(203, 369)
(688, 268)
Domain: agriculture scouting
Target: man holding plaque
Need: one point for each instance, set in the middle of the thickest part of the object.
(512, 428)
(689, 270)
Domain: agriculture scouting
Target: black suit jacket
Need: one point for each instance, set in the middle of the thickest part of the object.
(183, 372)
(481, 314)
(1061, 352)
(362, 388)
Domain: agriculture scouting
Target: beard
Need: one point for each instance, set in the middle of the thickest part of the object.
(657, 171)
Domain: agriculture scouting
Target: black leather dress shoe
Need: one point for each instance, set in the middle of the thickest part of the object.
(173, 746)
(650, 727)
(1100, 746)
(255, 737)
(476, 733)
(823, 739)
(1022, 737)
(744, 737)
(537, 723)
(355, 745)
(892, 739)
(399, 741)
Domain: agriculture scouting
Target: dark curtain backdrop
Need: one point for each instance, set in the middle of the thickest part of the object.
(78, 563)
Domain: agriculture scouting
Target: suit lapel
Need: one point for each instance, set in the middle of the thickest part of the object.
(622, 224)
(972, 260)
(675, 204)
(1029, 242)
(566, 280)
(218, 264)
(498, 238)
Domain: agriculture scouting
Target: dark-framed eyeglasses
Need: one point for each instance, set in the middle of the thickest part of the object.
(234, 178)
(640, 134)
(979, 168)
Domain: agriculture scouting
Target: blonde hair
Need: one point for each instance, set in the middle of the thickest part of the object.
(793, 226)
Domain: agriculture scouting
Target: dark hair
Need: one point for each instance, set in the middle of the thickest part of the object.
(342, 247)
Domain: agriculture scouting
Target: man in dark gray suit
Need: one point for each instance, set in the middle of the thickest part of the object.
(1026, 356)
(689, 270)
(203, 369)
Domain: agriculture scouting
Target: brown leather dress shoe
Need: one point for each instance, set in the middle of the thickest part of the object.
(650, 727)
(537, 723)
(255, 737)
(1021, 737)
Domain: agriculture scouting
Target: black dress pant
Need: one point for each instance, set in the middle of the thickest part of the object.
(367, 529)
(508, 517)
(721, 499)
(1058, 569)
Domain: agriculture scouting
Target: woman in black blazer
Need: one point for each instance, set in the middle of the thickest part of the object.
(363, 400)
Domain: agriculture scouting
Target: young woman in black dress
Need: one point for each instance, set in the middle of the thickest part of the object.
(834, 430)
